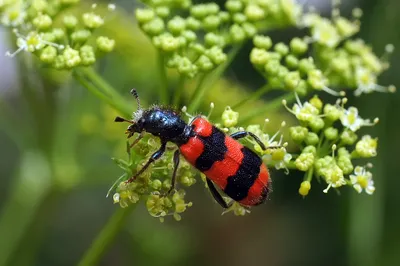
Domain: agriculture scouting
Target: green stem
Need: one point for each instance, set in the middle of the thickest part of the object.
(105, 238)
(163, 78)
(211, 78)
(196, 93)
(179, 91)
(270, 106)
(101, 89)
(254, 96)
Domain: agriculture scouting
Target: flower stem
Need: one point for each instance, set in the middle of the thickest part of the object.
(198, 95)
(101, 89)
(270, 106)
(105, 238)
(254, 96)
(178, 92)
(163, 78)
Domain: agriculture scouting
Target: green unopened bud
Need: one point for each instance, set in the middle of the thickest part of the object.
(249, 29)
(237, 33)
(316, 124)
(306, 65)
(186, 67)
(316, 79)
(272, 68)
(345, 164)
(38, 5)
(304, 161)
(345, 27)
(331, 133)
(262, 42)
(144, 15)
(48, 54)
(154, 27)
(189, 35)
(254, 12)
(281, 48)
(105, 44)
(234, 6)
(224, 16)
(211, 22)
(198, 48)
(258, 57)
(80, 36)
(298, 133)
(304, 188)
(70, 21)
(87, 55)
(310, 149)
(239, 18)
(298, 46)
(162, 11)
(187, 180)
(348, 137)
(92, 21)
(291, 61)
(213, 39)
(168, 43)
(176, 25)
(204, 63)
(366, 147)
(192, 23)
(291, 80)
(42, 22)
(216, 55)
(72, 58)
(316, 102)
(59, 62)
(156, 184)
(199, 11)
(332, 112)
(229, 117)
(312, 139)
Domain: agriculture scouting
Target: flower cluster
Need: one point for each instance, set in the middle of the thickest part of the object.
(338, 61)
(194, 41)
(327, 136)
(51, 31)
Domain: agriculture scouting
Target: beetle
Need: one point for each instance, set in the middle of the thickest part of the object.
(237, 170)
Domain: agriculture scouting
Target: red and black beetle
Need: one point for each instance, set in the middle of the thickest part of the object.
(235, 169)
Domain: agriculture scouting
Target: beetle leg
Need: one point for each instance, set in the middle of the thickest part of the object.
(153, 158)
(176, 165)
(242, 134)
(217, 196)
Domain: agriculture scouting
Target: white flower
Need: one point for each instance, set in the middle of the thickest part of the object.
(362, 179)
(13, 16)
(366, 82)
(334, 177)
(303, 112)
(325, 33)
(351, 120)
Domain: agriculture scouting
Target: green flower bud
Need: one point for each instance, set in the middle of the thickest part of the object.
(258, 57)
(156, 184)
(345, 27)
(80, 36)
(332, 112)
(168, 43)
(239, 18)
(298, 46)
(58, 33)
(304, 188)
(105, 44)
(310, 149)
(366, 147)
(331, 133)
(38, 5)
(72, 58)
(249, 29)
(212, 39)
(254, 12)
(281, 48)
(345, 164)
(197, 47)
(278, 154)
(144, 15)
(162, 12)
(263, 42)
(48, 54)
(70, 21)
(316, 124)
(212, 8)
(186, 67)
(211, 22)
(291, 61)
(316, 79)
(167, 185)
(283, 72)
(304, 161)
(189, 35)
(199, 11)
(312, 139)
(87, 55)
(272, 68)
(193, 24)
(187, 180)
(216, 55)
(59, 62)
(204, 63)
(234, 6)
(348, 137)
(316, 102)
(92, 21)
(292, 80)
(229, 117)
(237, 33)
(298, 133)
(306, 65)
(154, 27)
(42, 22)
(176, 25)
(224, 16)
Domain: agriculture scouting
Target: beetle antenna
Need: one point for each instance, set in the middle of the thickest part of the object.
(135, 94)
(121, 119)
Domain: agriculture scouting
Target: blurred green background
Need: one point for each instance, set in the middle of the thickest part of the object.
(50, 211)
